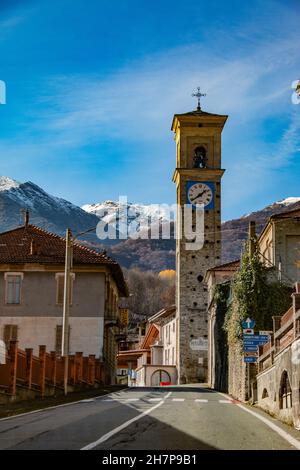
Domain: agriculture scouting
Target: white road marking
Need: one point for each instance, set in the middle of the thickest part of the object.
(132, 399)
(225, 401)
(108, 435)
(178, 399)
(88, 400)
(155, 399)
(285, 435)
(201, 400)
(290, 439)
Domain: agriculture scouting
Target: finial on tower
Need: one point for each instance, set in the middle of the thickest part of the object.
(198, 95)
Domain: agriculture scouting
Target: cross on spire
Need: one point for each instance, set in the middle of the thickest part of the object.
(198, 95)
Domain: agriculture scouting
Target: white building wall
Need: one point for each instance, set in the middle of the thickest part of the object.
(169, 342)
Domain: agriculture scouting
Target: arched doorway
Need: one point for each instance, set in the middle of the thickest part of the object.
(285, 392)
(159, 376)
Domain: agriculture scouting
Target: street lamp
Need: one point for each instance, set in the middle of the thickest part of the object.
(66, 305)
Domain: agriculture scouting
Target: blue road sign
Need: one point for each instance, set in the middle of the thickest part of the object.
(250, 348)
(255, 340)
(256, 337)
(248, 323)
(250, 359)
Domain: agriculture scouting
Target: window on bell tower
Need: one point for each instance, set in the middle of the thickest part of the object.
(200, 157)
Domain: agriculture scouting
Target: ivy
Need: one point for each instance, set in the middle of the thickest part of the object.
(254, 295)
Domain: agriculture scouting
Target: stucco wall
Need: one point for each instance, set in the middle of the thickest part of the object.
(144, 374)
(39, 295)
(169, 336)
(270, 379)
(86, 333)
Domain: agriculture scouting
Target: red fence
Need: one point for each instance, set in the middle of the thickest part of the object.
(24, 369)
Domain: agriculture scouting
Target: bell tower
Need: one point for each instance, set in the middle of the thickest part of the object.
(197, 177)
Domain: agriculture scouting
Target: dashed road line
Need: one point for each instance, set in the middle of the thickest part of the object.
(111, 433)
(178, 399)
(225, 401)
(201, 400)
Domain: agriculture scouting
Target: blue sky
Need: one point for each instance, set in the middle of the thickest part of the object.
(92, 88)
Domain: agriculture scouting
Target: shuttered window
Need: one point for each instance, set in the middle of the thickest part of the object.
(10, 334)
(60, 286)
(58, 339)
(13, 288)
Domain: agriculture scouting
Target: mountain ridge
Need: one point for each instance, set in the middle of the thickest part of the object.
(55, 214)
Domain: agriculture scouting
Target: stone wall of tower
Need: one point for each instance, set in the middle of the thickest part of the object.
(192, 130)
(192, 294)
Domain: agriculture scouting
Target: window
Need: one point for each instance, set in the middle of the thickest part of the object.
(10, 334)
(60, 287)
(13, 288)
(58, 339)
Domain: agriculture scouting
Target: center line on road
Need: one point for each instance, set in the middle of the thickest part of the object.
(132, 399)
(225, 401)
(155, 399)
(108, 435)
(178, 399)
(201, 400)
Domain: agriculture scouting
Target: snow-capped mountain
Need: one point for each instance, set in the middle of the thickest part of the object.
(56, 214)
(278, 206)
(49, 212)
(131, 216)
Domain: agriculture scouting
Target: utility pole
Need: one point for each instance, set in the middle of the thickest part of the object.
(66, 307)
(252, 238)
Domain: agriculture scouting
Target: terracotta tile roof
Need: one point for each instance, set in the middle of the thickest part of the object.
(231, 266)
(31, 244)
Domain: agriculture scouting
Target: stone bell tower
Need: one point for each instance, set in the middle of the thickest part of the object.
(197, 177)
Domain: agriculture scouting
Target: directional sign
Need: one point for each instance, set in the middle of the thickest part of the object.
(249, 348)
(251, 353)
(255, 339)
(250, 359)
(248, 323)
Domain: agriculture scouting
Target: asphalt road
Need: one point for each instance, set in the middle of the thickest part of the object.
(155, 419)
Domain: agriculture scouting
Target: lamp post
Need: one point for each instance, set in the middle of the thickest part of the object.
(66, 305)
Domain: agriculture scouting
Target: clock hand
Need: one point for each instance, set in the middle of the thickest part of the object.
(199, 195)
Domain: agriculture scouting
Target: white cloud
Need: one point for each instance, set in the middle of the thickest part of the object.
(250, 80)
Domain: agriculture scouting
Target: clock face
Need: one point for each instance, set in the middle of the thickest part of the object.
(200, 193)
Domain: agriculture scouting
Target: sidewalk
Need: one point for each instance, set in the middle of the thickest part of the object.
(12, 409)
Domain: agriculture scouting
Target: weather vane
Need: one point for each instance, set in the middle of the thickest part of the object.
(198, 95)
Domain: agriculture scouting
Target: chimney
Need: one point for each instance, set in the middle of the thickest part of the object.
(35, 248)
(32, 248)
(252, 238)
(26, 218)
